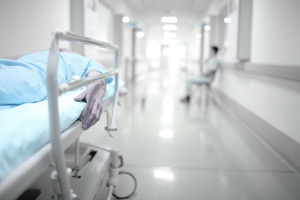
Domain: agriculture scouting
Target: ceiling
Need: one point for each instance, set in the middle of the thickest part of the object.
(148, 13)
(188, 13)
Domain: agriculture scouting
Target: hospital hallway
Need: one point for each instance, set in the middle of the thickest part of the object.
(64, 63)
(196, 151)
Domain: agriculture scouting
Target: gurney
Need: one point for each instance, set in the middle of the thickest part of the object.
(66, 168)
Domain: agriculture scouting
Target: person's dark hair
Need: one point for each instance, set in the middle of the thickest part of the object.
(215, 49)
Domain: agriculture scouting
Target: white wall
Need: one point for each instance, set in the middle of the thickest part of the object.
(276, 32)
(98, 24)
(276, 101)
(26, 26)
(275, 40)
(231, 39)
(238, 32)
(105, 23)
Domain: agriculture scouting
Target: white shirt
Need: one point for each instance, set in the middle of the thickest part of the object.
(211, 65)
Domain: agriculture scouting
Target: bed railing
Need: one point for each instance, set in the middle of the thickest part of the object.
(54, 90)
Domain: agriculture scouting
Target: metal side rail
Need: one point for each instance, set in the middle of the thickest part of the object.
(54, 90)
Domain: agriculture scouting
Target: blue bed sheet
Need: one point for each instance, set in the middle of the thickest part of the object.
(25, 128)
(24, 80)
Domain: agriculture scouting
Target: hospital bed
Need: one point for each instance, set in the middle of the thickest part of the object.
(65, 168)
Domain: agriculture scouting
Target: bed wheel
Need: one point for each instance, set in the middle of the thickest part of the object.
(126, 187)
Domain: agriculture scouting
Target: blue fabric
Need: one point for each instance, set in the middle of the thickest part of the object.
(25, 128)
(24, 80)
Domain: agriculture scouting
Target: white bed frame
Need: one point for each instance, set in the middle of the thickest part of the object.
(47, 168)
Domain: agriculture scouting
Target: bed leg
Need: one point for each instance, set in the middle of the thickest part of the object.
(77, 146)
(56, 187)
(113, 172)
(121, 184)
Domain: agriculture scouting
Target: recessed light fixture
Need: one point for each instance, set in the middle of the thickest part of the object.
(170, 27)
(125, 19)
(207, 28)
(227, 20)
(169, 19)
(140, 34)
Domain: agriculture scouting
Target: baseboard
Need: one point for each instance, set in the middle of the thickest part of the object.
(287, 148)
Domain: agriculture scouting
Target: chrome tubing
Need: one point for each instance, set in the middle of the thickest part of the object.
(54, 91)
(65, 87)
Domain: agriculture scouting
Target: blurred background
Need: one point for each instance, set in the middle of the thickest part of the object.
(256, 92)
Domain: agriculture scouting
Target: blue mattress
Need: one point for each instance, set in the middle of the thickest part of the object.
(25, 128)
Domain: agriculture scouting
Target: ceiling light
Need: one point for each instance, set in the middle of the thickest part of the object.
(169, 35)
(140, 34)
(170, 27)
(125, 19)
(169, 20)
(207, 28)
(227, 20)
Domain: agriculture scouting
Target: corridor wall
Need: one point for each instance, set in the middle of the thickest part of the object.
(26, 26)
(273, 99)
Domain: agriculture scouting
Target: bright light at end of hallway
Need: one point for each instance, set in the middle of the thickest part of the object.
(168, 134)
(170, 42)
(169, 35)
(125, 19)
(166, 51)
(207, 28)
(169, 101)
(170, 19)
(153, 51)
(164, 173)
(169, 27)
(168, 106)
(227, 20)
(198, 36)
(155, 63)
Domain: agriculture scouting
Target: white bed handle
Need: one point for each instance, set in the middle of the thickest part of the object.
(54, 91)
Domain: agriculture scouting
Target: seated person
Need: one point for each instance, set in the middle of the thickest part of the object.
(24, 81)
(210, 67)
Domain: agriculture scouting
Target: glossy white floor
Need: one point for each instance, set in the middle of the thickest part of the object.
(195, 151)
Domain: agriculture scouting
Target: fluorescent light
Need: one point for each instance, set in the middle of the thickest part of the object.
(227, 20)
(140, 34)
(170, 27)
(198, 36)
(125, 19)
(169, 35)
(207, 28)
(169, 20)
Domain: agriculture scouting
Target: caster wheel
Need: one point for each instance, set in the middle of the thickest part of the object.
(126, 187)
